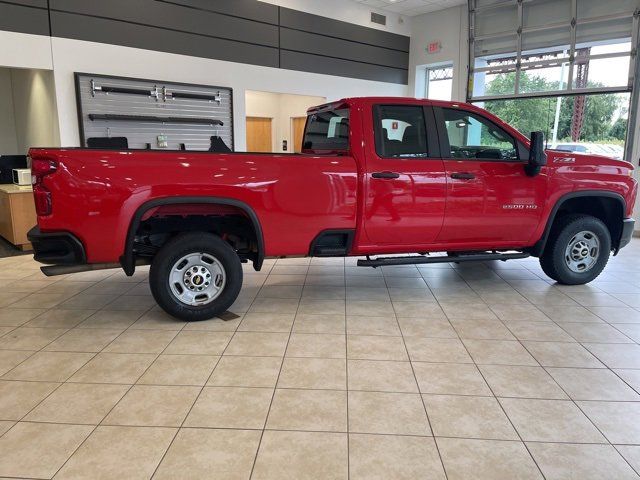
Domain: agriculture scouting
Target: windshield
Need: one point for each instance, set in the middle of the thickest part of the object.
(327, 130)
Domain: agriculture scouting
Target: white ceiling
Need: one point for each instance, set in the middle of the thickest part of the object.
(412, 7)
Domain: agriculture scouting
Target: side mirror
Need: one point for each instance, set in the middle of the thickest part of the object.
(537, 157)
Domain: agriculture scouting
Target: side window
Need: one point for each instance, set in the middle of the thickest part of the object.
(473, 136)
(328, 130)
(400, 131)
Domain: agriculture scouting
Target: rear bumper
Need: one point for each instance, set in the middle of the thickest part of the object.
(628, 225)
(58, 248)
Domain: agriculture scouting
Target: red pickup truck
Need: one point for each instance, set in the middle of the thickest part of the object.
(376, 176)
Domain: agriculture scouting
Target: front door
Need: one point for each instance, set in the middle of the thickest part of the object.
(405, 182)
(490, 198)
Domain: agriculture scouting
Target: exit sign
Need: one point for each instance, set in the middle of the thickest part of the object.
(434, 47)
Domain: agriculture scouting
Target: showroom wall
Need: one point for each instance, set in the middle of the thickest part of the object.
(8, 140)
(449, 28)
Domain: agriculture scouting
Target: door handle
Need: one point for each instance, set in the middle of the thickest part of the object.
(385, 175)
(463, 176)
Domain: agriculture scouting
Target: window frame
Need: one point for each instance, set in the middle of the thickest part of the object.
(433, 143)
(443, 136)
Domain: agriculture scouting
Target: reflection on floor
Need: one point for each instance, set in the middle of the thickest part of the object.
(8, 250)
(485, 371)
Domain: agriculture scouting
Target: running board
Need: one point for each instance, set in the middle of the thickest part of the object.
(466, 257)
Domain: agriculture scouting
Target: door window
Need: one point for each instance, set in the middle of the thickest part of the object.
(327, 130)
(400, 131)
(475, 137)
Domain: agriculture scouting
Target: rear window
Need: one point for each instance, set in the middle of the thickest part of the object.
(327, 130)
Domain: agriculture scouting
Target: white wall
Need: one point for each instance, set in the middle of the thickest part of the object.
(71, 56)
(281, 108)
(349, 11)
(449, 27)
(8, 140)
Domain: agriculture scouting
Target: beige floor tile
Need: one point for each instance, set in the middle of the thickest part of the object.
(138, 303)
(486, 460)
(450, 378)
(570, 313)
(314, 373)
(631, 453)
(617, 314)
(499, 352)
(309, 323)
(59, 318)
(374, 347)
(199, 343)
(201, 453)
(157, 320)
(631, 330)
(267, 322)
(111, 320)
(38, 300)
(426, 327)
(559, 354)
(108, 453)
(83, 301)
(141, 341)
(539, 332)
(313, 410)
(80, 403)
(585, 462)
(468, 311)
(229, 324)
(230, 407)
(179, 370)
(384, 457)
(286, 279)
(302, 456)
(49, 366)
(447, 350)
(281, 291)
(416, 309)
(5, 425)
(389, 413)
(481, 329)
(519, 381)
(382, 376)
(83, 340)
(258, 344)
(631, 377)
(274, 305)
(616, 355)
(550, 421)
(367, 325)
(314, 345)
(468, 417)
(153, 406)
(510, 313)
(239, 371)
(594, 332)
(321, 307)
(114, 368)
(618, 421)
(10, 358)
(29, 338)
(38, 450)
(593, 384)
(14, 317)
(18, 398)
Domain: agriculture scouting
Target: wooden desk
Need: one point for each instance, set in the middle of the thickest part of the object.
(17, 214)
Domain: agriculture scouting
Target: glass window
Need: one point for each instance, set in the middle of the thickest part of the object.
(472, 136)
(327, 130)
(439, 83)
(400, 131)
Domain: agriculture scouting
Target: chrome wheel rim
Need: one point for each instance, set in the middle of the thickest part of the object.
(582, 252)
(197, 279)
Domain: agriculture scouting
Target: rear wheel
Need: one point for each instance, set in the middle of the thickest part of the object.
(577, 250)
(195, 276)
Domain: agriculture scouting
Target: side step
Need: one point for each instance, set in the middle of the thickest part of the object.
(465, 257)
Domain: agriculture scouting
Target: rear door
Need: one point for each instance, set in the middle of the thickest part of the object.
(490, 198)
(405, 182)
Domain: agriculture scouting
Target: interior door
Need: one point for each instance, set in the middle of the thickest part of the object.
(297, 125)
(490, 198)
(405, 184)
(259, 134)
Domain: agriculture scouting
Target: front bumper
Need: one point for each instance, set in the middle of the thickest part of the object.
(58, 248)
(628, 225)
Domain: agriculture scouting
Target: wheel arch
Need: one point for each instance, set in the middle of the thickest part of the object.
(603, 202)
(127, 260)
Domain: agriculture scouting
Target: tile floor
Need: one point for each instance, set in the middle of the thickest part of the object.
(484, 371)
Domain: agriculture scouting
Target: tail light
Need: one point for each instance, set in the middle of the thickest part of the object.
(40, 168)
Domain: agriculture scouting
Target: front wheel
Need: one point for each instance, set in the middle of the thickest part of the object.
(577, 251)
(195, 276)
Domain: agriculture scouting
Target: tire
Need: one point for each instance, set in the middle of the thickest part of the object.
(184, 290)
(571, 237)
